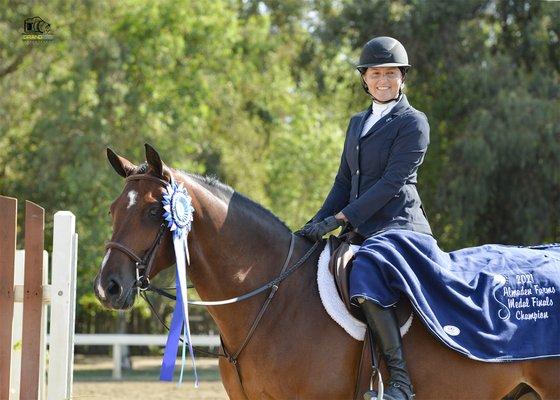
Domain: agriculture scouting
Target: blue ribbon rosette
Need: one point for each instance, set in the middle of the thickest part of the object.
(178, 213)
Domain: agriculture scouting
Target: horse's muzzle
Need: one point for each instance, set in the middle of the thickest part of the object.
(114, 293)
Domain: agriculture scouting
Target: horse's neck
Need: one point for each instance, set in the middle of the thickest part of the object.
(234, 253)
(232, 250)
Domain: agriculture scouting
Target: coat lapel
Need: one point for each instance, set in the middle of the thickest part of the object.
(366, 115)
(398, 109)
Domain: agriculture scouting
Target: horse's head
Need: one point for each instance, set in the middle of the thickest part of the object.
(140, 238)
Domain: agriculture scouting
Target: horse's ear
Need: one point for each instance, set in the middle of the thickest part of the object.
(120, 164)
(154, 161)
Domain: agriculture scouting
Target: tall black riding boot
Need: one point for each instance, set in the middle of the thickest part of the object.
(384, 325)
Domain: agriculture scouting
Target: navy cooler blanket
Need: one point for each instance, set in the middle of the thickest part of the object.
(492, 303)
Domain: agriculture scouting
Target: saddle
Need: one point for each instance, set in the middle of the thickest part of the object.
(340, 265)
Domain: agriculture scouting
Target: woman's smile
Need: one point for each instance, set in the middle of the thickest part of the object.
(384, 83)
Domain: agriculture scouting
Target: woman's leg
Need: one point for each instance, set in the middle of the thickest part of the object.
(384, 325)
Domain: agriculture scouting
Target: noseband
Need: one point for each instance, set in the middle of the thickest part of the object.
(143, 265)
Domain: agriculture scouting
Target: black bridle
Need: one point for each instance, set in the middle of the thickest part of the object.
(143, 265)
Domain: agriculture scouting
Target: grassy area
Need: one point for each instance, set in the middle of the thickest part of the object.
(93, 369)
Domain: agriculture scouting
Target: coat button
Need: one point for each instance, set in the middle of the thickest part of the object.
(356, 196)
(358, 147)
(358, 172)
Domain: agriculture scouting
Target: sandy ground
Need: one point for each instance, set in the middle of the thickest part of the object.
(92, 380)
(147, 390)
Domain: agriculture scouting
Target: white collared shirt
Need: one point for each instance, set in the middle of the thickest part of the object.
(377, 112)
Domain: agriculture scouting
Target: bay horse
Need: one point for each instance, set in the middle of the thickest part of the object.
(297, 351)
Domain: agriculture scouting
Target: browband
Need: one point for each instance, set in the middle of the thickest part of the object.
(141, 177)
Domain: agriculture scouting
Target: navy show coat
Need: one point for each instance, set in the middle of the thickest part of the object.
(375, 186)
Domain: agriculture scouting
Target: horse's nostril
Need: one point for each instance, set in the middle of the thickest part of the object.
(114, 288)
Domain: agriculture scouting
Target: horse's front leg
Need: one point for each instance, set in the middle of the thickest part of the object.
(230, 380)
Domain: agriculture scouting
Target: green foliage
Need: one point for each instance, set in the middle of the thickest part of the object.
(259, 93)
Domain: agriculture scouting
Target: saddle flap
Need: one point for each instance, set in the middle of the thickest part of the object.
(340, 265)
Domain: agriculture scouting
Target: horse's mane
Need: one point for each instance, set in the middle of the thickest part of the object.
(224, 192)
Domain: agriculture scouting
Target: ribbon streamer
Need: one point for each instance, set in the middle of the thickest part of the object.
(172, 344)
(179, 215)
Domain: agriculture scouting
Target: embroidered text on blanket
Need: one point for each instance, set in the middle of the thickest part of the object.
(527, 299)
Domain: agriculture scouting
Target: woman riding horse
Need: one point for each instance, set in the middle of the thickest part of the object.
(375, 187)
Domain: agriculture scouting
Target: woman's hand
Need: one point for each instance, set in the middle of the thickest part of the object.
(316, 230)
(305, 228)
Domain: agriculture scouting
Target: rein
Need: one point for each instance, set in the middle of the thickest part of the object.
(274, 282)
(144, 267)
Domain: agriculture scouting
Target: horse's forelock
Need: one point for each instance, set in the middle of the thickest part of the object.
(141, 169)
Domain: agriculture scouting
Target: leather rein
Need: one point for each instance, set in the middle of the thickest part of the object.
(144, 267)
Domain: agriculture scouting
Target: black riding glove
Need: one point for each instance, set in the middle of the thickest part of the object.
(305, 228)
(316, 230)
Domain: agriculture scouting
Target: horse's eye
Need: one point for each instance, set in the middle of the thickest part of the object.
(154, 212)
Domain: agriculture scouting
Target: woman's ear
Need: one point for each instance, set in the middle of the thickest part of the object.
(121, 165)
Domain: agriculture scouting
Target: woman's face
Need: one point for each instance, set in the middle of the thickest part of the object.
(383, 82)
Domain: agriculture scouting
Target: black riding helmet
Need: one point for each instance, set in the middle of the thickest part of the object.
(383, 51)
